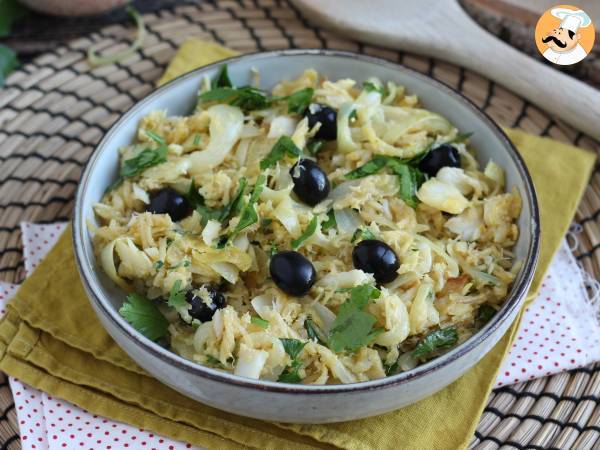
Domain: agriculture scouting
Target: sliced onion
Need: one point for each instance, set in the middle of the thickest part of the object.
(326, 315)
(407, 362)
(347, 220)
(108, 264)
(250, 362)
(262, 304)
(226, 270)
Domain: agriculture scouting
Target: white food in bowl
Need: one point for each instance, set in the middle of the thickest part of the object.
(267, 399)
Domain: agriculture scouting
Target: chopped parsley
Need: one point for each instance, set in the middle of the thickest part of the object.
(196, 141)
(284, 146)
(158, 264)
(176, 296)
(299, 100)
(310, 230)
(247, 98)
(314, 332)
(222, 79)
(262, 323)
(362, 233)
(219, 214)
(210, 359)
(144, 316)
(315, 146)
(484, 314)
(353, 327)
(438, 339)
(145, 159)
(369, 86)
(273, 250)
(248, 215)
(292, 347)
(330, 222)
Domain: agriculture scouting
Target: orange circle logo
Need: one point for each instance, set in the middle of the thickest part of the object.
(564, 35)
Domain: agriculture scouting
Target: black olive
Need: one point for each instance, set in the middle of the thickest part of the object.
(311, 184)
(443, 156)
(328, 118)
(169, 201)
(292, 273)
(378, 258)
(199, 309)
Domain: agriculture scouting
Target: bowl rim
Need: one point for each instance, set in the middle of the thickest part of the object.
(512, 302)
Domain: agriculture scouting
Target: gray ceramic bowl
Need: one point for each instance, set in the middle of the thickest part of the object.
(286, 402)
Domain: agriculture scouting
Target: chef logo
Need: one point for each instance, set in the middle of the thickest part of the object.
(564, 35)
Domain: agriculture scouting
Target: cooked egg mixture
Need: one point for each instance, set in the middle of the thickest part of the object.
(324, 232)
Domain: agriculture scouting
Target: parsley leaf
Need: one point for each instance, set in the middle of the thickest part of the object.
(247, 98)
(292, 347)
(144, 316)
(222, 79)
(314, 332)
(362, 233)
(145, 159)
(299, 100)
(310, 230)
(158, 264)
(249, 216)
(262, 323)
(283, 146)
(353, 328)
(442, 338)
(369, 86)
(315, 146)
(290, 373)
(373, 166)
(484, 314)
(176, 296)
(330, 222)
(219, 214)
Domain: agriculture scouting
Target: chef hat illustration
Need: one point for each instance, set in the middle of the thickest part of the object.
(571, 20)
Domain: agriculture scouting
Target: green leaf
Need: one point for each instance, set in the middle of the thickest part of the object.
(371, 167)
(144, 316)
(237, 203)
(265, 223)
(273, 250)
(247, 98)
(177, 296)
(10, 12)
(284, 146)
(442, 338)
(290, 373)
(219, 214)
(158, 264)
(315, 146)
(262, 323)
(249, 216)
(210, 359)
(299, 100)
(362, 233)
(314, 332)
(484, 314)
(408, 182)
(196, 141)
(8, 62)
(222, 79)
(391, 370)
(353, 328)
(310, 230)
(155, 137)
(145, 159)
(292, 347)
(370, 87)
(217, 95)
(330, 222)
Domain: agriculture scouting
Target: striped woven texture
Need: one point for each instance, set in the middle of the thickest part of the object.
(56, 108)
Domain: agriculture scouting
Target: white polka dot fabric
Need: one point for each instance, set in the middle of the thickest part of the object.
(559, 331)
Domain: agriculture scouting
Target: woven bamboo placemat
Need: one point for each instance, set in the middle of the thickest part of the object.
(56, 108)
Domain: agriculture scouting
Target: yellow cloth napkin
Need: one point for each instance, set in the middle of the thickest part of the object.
(52, 340)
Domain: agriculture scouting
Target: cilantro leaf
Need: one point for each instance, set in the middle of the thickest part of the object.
(353, 328)
(222, 79)
(262, 323)
(299, 100)
(484, 314)
(144, 316)
(284, 146)
(314, 332)
(442, 338)
(314, 146)
(310, 230)
(290, 373)
(369, 86)
(292, 347)
(249, 216)
(145, 159)
(177, 296)
(330, 222)
(362, 233)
